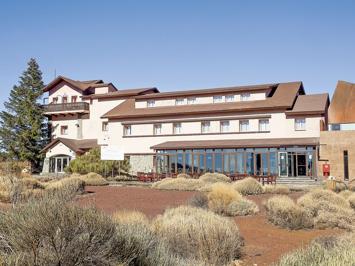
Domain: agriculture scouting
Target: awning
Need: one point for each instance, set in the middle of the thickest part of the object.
(237, 143)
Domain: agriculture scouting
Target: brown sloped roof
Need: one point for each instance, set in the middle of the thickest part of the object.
(283, 97)
(78, 146)
(310, 104)
(123, 93)
(80, 85)
(236, 143)
(342, 105)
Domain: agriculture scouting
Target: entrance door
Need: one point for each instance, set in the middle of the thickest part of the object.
(57, 164)
(283, 170)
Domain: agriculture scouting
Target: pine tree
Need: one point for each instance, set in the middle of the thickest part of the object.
(22, 124)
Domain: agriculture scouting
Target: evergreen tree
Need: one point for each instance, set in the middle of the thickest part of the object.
(22, 124)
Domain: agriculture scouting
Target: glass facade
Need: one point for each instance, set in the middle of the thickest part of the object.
(284, 161)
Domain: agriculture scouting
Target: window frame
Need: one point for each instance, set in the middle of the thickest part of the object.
(245, 96)
(54, 100)
(104, 126)
(74, 99)
(64, 130)
(297, 128)
(202, 127)
(232, 96)
(65, 99)
(174, 128)
(215, 97)
(155, 127)
(150, 103)
(191, 98)
(179, 101)
(267, 125)
(221, 126)
(127, 130)
(244, 122)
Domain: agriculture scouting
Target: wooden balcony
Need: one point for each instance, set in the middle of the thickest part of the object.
(65, 108)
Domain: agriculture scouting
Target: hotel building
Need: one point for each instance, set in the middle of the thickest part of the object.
(267, 129)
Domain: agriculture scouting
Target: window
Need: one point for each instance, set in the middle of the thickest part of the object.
(205, 126)
(64, 130)
(229, 98)
(65, 99)
(177, 128)
(157, 129)
(55, 100)
(244, 126)
(179, 101)
(245, 97)
(73, 99)
(127, 130)
(191, 100)
(217, 99)
(264, 125)
(224, 126)
(150, 103)
(300, 124)
(104, 126)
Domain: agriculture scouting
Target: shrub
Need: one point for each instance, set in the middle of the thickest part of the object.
(72, 185)
(351, 200)
(94, 179)
(327, 209)
(351, 185)
(214, 178)
(282, 211)
(32, 183)
(220, 197)
(91, 162)
(276, 189)
(194, 233)
(323, 251)
(199, 200)
(178, 184)
(346, 194)
(130, 217)
(49, 232)
(182, 175)
(242, 207)
(248, 186)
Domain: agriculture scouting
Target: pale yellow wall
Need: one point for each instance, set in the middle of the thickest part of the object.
(279, 125)
(60, 149)
(199, 100)
(63, 90)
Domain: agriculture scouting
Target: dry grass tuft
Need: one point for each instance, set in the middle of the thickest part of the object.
(346, 194)
(130, 217)
(248, 186)
(93, 179)
(182, 175)
(194, 233)
(220, 197)
(178, 184)
(328, 209)
(282, 211)
(214, 178)
(323, 251)
(351, 200)
(276, 189)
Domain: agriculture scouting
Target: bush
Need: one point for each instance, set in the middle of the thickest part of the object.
(178, 184)
(130, 217)
(72, 185)
(248, 186)
(242, 207)
(323, 251)
(351, 200)
(91, 162)
(282, 211)
(346, 194)
(214, 178)
(351, 185)
(276, 189)
(328, 209)
(194, 233)
(32, 183)
(94, 179)
(49, 232)
(182, 175)
(199, 200)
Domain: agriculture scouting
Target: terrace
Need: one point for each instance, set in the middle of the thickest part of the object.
(77, 107)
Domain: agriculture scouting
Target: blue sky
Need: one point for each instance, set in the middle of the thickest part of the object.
(177, 45)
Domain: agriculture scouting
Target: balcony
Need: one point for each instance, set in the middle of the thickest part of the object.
(66, 108)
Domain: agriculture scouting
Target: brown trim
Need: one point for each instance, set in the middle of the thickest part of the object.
(146, 153)
(304, 114)
(195, 120)
(130, 93)
(195, 134)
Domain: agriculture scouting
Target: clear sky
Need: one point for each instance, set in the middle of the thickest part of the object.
(178, 45)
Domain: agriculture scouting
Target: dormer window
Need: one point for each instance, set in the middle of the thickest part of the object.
(180, 101)
(150, 103)
(217, 99)
(245, 97)
(191, 100)
(229, 98)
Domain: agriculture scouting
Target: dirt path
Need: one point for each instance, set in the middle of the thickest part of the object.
(264, 243)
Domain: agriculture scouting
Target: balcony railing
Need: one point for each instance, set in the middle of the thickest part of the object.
(67, 107)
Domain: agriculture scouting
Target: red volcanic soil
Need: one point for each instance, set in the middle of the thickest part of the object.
(264, 242)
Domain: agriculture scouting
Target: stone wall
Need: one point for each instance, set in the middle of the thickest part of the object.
(331, 150)
(141, 163)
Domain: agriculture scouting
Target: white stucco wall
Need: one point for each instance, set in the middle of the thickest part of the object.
(60, 149)
(62, 89)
